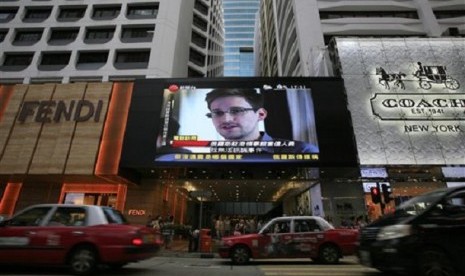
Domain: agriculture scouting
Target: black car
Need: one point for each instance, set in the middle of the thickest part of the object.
(424, 236)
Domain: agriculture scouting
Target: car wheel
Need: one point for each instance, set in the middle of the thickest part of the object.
(329, 254)
(240, 255)
(435, 263)
(83, 261)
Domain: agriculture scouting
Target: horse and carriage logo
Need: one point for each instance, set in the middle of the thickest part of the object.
(426, 75)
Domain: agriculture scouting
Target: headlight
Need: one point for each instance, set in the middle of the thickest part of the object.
(394, 232)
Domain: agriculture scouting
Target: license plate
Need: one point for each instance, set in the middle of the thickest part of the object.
(365, 258)
(149, 238)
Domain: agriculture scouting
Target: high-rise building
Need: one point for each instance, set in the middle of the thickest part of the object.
(67, 41)
(239, 23)
(294, 34)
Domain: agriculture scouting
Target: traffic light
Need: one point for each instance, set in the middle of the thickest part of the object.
(386, 193)
(375, 195)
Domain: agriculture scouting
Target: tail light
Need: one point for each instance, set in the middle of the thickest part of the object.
(137, 241)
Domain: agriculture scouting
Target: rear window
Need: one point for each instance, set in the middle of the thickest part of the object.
(114, 216)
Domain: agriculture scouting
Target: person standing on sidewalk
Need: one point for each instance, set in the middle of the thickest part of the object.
(168, 231)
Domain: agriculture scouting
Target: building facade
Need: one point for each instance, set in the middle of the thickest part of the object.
(294, 35)
(239, 24)
(66, 41)
(379, 48)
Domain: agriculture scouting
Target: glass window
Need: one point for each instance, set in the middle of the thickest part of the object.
(71, 13)
(143, 11)
(28, 36)
(92, 57)
(68, 216)
(114, 216)
(67, 34)
(55, 58)
(100, 33)
(32, 217)
(37, 14)
(17, 59)
(132, 56)
(106, 12)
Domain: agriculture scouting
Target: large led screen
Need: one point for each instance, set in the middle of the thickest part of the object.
(237, 121)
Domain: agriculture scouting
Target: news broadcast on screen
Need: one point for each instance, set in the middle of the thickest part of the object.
(237, 124)
(233, 121)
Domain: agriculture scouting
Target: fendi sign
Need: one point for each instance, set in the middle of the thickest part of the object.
(55, 111)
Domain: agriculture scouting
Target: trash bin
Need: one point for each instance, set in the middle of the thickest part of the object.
(205, 241)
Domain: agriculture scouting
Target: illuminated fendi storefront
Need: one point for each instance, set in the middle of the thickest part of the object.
(62, 143)
(407, 101)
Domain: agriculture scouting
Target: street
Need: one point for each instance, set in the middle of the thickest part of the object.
(214, 267)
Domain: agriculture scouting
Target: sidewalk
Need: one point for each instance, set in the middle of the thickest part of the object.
(180, 247)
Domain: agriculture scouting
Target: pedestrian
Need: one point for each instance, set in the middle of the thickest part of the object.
(168, 231)
(193, 239)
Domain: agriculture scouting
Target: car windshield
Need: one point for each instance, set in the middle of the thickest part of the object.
(417, 205)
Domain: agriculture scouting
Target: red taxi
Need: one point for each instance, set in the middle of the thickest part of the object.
(292, 237)
(78, 236)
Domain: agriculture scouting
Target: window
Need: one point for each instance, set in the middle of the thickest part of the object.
(132, 59)
(3, 35)
(71, 13)
(107, 12)
(143, 11)
(93, 57)
(37, 15)
(99, 35)
(32, 217)
(16, 59)
(137, 34)
(63, 35)
(199, 40)
(201, 7)
(132, 56)
(196, 57)
(27, 37)
(65, 216)
(200, 23)
(7, 14)
(55, 58)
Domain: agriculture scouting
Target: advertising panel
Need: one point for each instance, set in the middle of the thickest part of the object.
(237, 121)
(406, 97)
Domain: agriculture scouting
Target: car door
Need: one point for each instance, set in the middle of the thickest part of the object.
(18, 236)
(64, 228)
(445, 225)
(272, 242)
(305, 237)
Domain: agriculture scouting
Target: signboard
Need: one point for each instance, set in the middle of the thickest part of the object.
(406, 97)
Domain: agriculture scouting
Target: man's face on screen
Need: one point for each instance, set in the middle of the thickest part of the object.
(235, 119)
